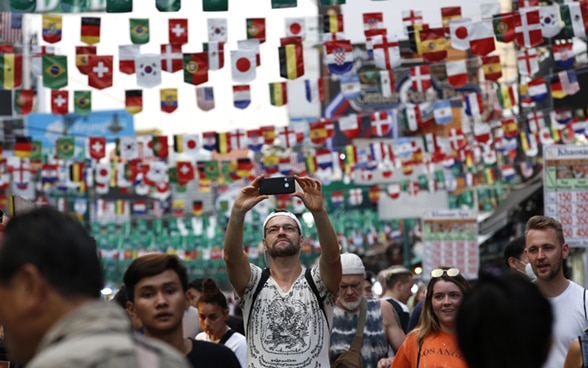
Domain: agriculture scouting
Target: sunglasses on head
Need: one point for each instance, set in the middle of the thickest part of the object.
(438, 272)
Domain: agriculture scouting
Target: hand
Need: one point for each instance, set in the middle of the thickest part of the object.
(248, 196)
(312, 195)
(385, 362)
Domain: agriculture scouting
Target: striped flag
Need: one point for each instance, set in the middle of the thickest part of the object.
(11, 27)
(278, 93)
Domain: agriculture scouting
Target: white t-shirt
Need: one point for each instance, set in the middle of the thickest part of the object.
(236, 343)
(569, 321)
(287, 329)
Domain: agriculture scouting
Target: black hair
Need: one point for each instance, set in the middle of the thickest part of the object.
(514, 248)
(151, 265)
(196, 284)
(211, 294)
(58, 246)
(504, 321)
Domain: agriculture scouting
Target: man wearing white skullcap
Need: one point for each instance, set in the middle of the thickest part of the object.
(287, 309)
(381, 329)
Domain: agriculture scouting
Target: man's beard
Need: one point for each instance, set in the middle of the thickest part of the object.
(350, 306)
(274, 251)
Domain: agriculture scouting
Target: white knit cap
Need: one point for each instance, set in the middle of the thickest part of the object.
(352, 264)
(283, 213)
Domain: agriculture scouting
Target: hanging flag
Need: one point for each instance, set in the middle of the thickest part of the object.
(23, 101)
(139, 28)
(253, 46)
(178, 31)
(481, 38)
(549, 19)
(295, 27)
(369, 34)
(442, 112)
(171, 58)
(373, 20)
(556, 89)
(96, 147)
(386, 82)
(474, 105)
(256, 29)
(386, 53)
(23, 146)
(288, 137)
(314, 89)
(76, 172)
(504, 26)
(506, 97)
(11, 29)
(420, 78)
(569, 81)
(237, 139)
(54, 71)
(65, 147)
(148, 70)
(434, 47)
(217, 29)
(411, 18)
(134, 101)
(538, 89)
(457, 139)
(255, 140)
(457, 72)
(187, 143)
(243, 66)
(126, 58)
(127, 148)
(350, 86)
(414, 39)
(269, 134)
(535, 121)
(563, 54)
(279, 4)
(99, 71)
(90, 30)
(332, 23)
(215, 5)
(509, 128)
(168, 5)
(82, 53)
(169, 99)
(37, 53)
(448, 14)
(82, 102)
(339, 56)
(216, 54)
(119, 6)
(380, 123)
(318, 132)
(459, 32)
(159, 146)
(575, 18)
(291, 58)
(527, 61)
(10, 71)
(52, 28)
(412, 116)
(350, 126)
(241, 96)
(205, 98)
(528, 33)
(196, 68)
(492, 67)
(278, 93)
(59, 102)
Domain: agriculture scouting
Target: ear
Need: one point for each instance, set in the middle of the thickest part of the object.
(565, 249)
(130, 307)
(30, 289)
(512, 262)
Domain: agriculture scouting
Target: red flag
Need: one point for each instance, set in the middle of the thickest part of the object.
(256, 29)
(97, 147)
(178, 31)
(528, 33)
(196, 68)
(433, 44)
(82, 53)
(269, 134)
(59, 102)
(457, 72)
(23, 101)
(350, 125)
(134, 101)
(171, 58)
(420, 77)
(100, 71)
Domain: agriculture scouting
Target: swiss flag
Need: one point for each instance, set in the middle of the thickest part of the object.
(178, 31)
(528, 32)
(59, 102)
(457, 72)
(100, 71)
(97, 147)
(420, 77)
(380, 122)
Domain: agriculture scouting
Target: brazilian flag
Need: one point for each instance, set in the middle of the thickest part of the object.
(139, 30)
(82, 102)
(65, 147)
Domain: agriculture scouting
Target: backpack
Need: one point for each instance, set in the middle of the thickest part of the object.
(352, 357)
(265, 274)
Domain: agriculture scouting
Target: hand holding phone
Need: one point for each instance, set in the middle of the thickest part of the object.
(277, 185)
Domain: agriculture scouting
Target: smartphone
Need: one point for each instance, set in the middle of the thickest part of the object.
(279, 185)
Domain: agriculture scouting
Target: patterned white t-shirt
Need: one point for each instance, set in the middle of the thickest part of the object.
(287, 329)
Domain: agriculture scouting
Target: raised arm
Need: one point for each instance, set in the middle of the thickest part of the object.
(235, 257)
(329, 262)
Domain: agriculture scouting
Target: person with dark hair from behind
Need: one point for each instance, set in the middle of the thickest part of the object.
(434, 343)
(157, 287)
(51, 306)
(368, 284)
(516, 259)
(504, 322)
(213, 312)
(121, 299)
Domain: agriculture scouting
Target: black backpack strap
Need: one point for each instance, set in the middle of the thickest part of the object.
(265, 274)
(315, 291)
(226, 336)
(585, 314)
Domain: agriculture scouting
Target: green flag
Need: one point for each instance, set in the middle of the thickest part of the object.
(22, 6)
(168, 5)
(54, 71)
(215, 5)
(331, 2)
(119, 6)
(37, 152)
(65, 147)
(82, 102)
(139, 30)
(277, 4)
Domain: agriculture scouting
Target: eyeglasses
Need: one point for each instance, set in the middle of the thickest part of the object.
(287, 229)
(438, 272)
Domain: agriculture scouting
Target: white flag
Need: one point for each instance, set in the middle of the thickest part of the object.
(217, 29)
(295, 27)
(148, 70)
(243, 66)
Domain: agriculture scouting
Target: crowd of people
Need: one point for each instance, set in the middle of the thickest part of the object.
(52, 313)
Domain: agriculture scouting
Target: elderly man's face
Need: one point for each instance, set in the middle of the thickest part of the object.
(350, 291)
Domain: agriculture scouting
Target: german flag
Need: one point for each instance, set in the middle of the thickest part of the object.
(23, 147)
(134, 101)
(197, 208)
(90, 30)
